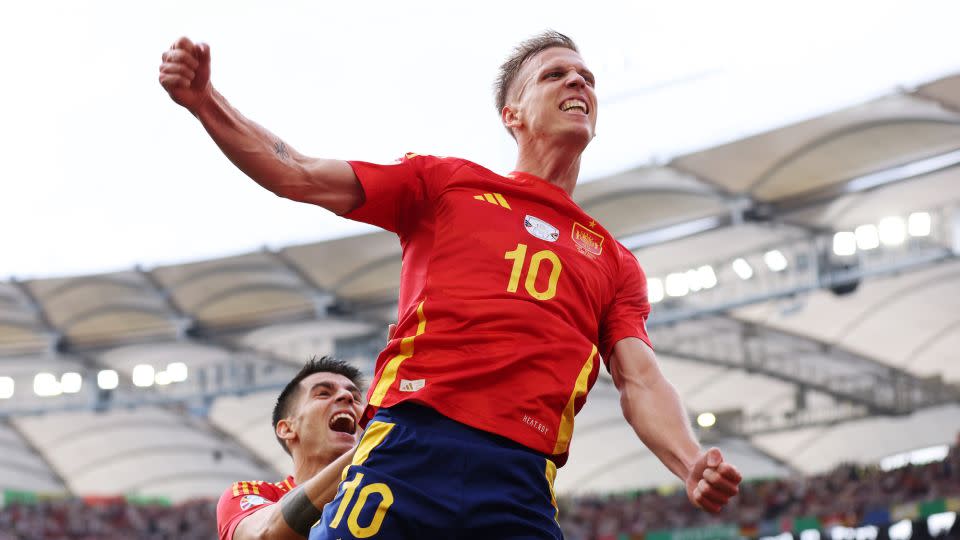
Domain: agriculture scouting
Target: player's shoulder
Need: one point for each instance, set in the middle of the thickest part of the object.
(439, 168)
(433, 159)
(257, 488)
(628, 260)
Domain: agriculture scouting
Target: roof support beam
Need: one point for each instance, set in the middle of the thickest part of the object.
(846, 376)
(759, 211)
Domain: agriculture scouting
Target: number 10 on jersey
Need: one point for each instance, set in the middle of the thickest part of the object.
(519, 258)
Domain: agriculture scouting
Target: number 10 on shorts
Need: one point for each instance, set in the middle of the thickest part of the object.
(350, 488)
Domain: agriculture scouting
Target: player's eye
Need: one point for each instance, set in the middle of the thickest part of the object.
(554, 75)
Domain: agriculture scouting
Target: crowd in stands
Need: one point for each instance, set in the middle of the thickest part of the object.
(846, 495)
(107, 519)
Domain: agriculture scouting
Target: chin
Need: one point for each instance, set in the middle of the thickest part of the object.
(581, 135)
(343, 444)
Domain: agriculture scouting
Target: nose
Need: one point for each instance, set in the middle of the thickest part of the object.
(575, 79)
(344, 395)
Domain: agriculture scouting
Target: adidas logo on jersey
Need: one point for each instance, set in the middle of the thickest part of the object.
(406, 385)
(493, 198)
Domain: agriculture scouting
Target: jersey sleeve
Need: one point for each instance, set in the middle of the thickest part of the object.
(234, 505)
(397, 195)
(627, 314)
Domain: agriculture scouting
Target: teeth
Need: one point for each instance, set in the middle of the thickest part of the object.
(573, 104)
(343, 416)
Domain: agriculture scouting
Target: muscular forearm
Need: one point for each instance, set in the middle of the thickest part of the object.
(298, 510)
(653, 408)
(301, 511)
(270, 162)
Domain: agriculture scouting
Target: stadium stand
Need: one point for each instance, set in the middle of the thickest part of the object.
(848, 497)
(781, 268)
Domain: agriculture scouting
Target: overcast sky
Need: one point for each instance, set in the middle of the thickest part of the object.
(101, 171)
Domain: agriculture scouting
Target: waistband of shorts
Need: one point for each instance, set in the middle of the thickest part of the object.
(425, 418)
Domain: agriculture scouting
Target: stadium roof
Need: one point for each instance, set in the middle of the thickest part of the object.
(772, 352)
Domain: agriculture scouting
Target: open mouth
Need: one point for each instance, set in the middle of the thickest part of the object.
(343, 423)
(574, 105)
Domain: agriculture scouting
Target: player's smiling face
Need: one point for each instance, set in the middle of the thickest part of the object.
(325, 420)
(555, 96)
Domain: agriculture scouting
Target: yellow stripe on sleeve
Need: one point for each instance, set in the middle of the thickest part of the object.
(502, 201)
(256, 488)
(236, 489)
(489, 198)
(389, 375)
(579, 389)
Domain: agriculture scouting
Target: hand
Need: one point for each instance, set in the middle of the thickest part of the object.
(712, 482)
(185, 73)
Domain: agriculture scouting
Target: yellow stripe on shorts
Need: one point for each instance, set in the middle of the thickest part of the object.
(551, 474)
(374, 435)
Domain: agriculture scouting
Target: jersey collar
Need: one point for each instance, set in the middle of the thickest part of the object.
(537, 182)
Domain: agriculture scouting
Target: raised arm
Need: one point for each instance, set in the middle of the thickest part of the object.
(653, 408)
(264, 157)
(298, 510)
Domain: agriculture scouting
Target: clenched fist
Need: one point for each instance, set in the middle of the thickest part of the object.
(185, 73)
(712, 482)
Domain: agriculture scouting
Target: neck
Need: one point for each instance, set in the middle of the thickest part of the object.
(305, 467)
(558, 164)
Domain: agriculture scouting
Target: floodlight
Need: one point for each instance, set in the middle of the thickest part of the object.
(177, 371)
(706, 419)
(918, 224)
(893, 231)
(743, 269)
(708, 278)
(677, 284)
(844, 243)
(775, 260)
(108, 379)
(867, 237)
(143, 375)
(162, 378)
(71, 382)
(654, 292)
(46, 385)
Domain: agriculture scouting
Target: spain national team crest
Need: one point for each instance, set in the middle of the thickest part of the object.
(541, 229)
(249, 501)
(588, 242)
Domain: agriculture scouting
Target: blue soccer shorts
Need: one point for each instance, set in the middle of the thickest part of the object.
(419, 475)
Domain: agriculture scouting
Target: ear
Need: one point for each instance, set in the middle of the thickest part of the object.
(510, 117)
(285, 431)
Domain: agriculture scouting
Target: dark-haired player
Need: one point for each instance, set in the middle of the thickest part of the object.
(315, 421)
(511, 296)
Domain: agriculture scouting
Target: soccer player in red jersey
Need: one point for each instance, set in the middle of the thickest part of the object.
(511, 296)
(315, 421)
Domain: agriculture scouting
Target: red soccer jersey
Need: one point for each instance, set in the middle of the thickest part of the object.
(508, 291)
(244, 498)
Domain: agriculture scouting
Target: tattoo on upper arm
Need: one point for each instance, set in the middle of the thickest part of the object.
(281, 149)
(299, 512)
